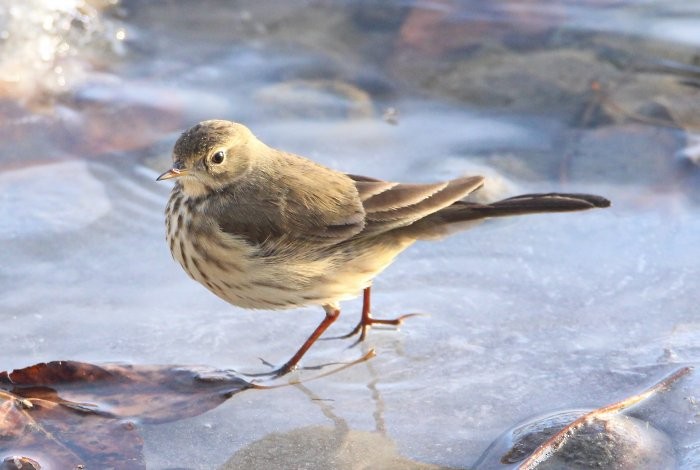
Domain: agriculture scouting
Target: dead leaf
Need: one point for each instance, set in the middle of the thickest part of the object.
(71, 415)
(64, 414)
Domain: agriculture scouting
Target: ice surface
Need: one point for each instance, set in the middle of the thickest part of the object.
(55, 198)
(527, 316)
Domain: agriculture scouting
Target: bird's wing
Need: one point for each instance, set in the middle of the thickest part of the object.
(303, 202)
(306, 203)
(390, 205)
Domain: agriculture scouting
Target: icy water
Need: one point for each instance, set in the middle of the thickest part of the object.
(527, 317)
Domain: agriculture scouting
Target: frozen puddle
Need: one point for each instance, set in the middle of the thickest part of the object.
(54, 198)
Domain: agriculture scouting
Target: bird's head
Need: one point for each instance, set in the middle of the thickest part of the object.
(211, 155)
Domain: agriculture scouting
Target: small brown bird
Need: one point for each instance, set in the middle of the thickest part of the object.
(265, 229)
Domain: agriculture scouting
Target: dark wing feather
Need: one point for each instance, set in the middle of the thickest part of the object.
(392, 205)
(455, 216)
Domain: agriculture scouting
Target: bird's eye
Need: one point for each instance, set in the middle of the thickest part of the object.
(218, 157)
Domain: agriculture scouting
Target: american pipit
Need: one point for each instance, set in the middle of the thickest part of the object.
(266, 229)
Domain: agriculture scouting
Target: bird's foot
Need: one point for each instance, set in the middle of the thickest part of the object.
(288, 368)
(367, 321)
(275, 372)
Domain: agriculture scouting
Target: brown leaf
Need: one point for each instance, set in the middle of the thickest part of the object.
(65, 414)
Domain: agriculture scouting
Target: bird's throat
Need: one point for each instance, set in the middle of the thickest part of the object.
(194, 188)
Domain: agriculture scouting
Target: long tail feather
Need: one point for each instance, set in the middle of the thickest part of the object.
(519, 205)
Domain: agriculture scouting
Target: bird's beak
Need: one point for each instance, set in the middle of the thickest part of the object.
(175, 172)
(172, 173)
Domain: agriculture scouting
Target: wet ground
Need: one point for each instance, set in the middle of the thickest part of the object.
(527, 316)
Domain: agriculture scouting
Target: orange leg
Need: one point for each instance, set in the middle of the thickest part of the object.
(332, 315)
(367, 321)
